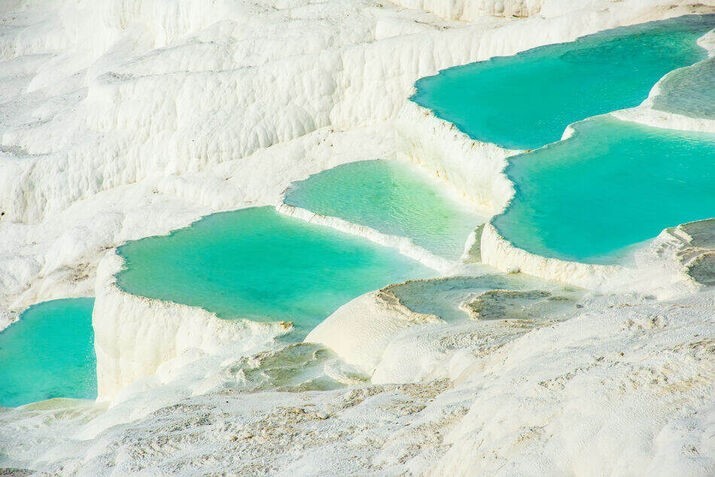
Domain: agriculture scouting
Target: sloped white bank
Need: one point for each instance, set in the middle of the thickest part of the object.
(134, 335)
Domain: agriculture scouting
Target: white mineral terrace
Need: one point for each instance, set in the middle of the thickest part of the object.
(122, 119)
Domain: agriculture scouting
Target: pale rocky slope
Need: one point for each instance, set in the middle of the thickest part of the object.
(122, 119)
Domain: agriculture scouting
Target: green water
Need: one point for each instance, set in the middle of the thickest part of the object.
(611, 185)
(689, 91)
(49, 353)
(527, 100)
(257, 264)
(392, 198)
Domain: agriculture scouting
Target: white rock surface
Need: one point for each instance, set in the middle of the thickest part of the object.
(626, 388)
(472, 169)
(121, 119)
(470, 10)
(501, 254)
(359, 330)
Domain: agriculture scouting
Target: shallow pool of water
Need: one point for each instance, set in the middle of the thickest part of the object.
(486, 297)
(257, 264)
(611, 185)
(689, 91)
(49, 353)
(392, 198)
(527, 100)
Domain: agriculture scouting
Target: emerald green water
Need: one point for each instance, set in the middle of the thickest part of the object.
(257, 264)
(49, 353)
(527, 100)
(392, 198)
(611, 185)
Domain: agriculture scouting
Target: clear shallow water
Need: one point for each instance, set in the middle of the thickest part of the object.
(689, 91)
(527, 100)
(257, 264)
(485, 297)
(611, 185)
(392, 198)
(49, 353)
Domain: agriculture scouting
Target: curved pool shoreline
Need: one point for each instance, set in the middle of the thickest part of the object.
(516, 82)
(608, 186)
(493, 247)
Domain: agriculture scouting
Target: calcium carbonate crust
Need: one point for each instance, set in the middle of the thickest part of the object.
(127, 112)
(471, 10)
(360, 330)
(634, 379)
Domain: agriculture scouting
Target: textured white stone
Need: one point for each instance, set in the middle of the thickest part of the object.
(121, 119)
(471, 10)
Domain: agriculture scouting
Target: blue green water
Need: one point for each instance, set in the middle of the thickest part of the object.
(49, 353)
(527, 100)
(689, 91)
(392, 198)
(611, 185)
(257, 264)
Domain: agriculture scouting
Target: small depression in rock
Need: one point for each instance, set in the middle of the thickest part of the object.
(487, 297)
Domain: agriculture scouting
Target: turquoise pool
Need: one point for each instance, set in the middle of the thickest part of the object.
(527, 100)
(611, 185)
(257, 264)
(392, 198)
(49, 353)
